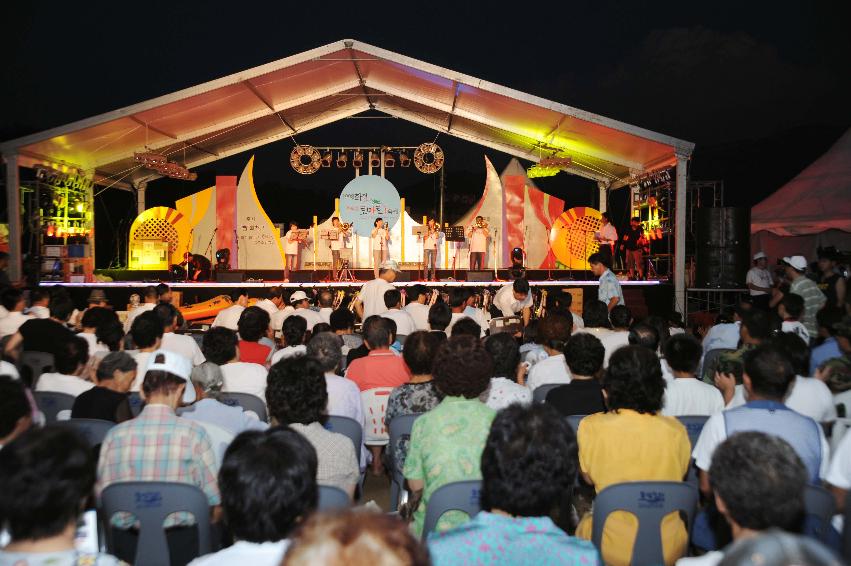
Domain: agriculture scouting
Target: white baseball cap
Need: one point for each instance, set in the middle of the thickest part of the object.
(759, 255)
(799, 262)
(175, 364)
(298, 296)
(390, 264)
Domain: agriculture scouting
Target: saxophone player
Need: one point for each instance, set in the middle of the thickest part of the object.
(478, 234)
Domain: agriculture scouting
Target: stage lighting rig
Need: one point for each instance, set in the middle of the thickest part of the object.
(389, 160)
(357, 159)
(342, 159)
(327, 159)
(404, 160)
(374, 160)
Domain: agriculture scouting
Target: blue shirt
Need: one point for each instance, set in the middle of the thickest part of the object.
(725, 335)
(610, 287)
(496, 539)
(232, 419)
(828, 350)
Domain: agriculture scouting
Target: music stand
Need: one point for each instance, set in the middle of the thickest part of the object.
(420, 232)
(454, 234)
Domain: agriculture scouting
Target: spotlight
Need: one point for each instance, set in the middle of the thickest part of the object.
(374, 160)
(342, 158)
(518, 268)
(327, 159)
(389, 160)
(357, 160)
(223, 259)
(404, 160)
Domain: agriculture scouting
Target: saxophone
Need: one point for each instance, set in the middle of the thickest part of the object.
(541, 308)
(353, 300)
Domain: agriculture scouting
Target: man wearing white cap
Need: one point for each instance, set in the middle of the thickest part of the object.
(759, 281)
(802, 285)
(301, 303)
(370, 300)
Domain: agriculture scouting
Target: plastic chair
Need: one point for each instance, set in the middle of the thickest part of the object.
(93, 430)
(32, 364)
(331, 497)
(455, 496)
(649, 502)
(248, 402)
(347, 427)
(136, 403)
(51, 403)
(573, 421)
(710, 362)
(820, 506)
(846, 530)
(694, 425)
(151, 503)
(400, 428)
(374, 408)
(540, 393)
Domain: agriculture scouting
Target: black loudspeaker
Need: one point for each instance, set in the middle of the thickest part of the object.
(479, 276)
(231, 276)
(722, 247)
(303, 276)
(404, 276)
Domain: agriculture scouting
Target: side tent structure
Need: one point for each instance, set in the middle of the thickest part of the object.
(811, 210)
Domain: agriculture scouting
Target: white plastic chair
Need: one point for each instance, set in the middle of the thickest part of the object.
(375, 408)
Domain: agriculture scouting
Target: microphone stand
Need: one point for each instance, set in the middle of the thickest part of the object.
(236, 244)
(210, 246)
(493, 253)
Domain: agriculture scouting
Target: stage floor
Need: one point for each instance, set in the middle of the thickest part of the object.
(337, 284)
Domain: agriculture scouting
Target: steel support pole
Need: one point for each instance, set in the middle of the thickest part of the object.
(680, 235)
(13, 207)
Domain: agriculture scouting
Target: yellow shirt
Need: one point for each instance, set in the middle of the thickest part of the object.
(625, 446)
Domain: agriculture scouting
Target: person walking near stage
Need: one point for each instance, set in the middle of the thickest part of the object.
(291, 243)
(380, 237)
(431, 239)
(759, 281)
(370, 299)
(337, 244)
(634, 242)
(478, 234)
(607, 236)
(609, 291)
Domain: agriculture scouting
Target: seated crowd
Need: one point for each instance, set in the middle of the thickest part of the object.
(253, 413)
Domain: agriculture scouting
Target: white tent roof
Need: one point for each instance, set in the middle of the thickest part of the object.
(304, 91)
(818, 199)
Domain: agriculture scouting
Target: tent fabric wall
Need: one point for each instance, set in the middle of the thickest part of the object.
(778, 247)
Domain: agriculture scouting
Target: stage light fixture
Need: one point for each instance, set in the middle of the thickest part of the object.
(357, 160)
(389, 160)
(374, 160)
(404, 160)
(327, 159)
(342, 158)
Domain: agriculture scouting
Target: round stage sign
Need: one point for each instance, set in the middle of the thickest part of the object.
(366, 198)
(572, 236)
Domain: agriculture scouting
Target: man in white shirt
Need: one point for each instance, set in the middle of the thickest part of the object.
(553, 333)
(515, 298)
(272, 302)
(13, 301)
(839, 474)
(370, 300)
(292, 240)
(478, 234)
(39, 301)
(186, 346)
(380, 236)
(685, 394)
(229, 316)
(458, 300)
(404, 323)
(326, 305)
(221, 348)
(418, 296)
(790, 309)
(69, 365)
(620, 318)
(150, 299)
(759, 281)
(606, 236)
(431, 241)
(301, 303)
(147, 334)
(473, 311)
(338, 244)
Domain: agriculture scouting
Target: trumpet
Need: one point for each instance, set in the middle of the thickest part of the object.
(482, 224)
(345, 226)
(338, 298)
(353, 300)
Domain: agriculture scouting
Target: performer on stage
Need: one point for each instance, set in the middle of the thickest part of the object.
(431, 240)
(478, 234)
(380, 237)
(634, 242)
(292, 240)
(607, 236)
(338, 244)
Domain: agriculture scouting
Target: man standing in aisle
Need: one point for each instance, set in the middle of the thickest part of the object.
(370, 300)
(478, 234)
(380, 237)
(337, 244)
(609, 290)
(759, 281)
(515, 298)
(607, 236)
(634, 242)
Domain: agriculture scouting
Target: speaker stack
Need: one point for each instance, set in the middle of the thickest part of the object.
(722, 247)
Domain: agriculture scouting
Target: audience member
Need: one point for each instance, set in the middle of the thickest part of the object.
(405, 324)
(531, 350)
(301, 303)
(466, 326)
(504, 389)
(343, 325)
(16, 413)
(758, 483)
(268, 484)
(419, 395)
(228, 317)
(560, 302)
(13, 301)
(417, 306)
(326, 305)
(759, 281)
(70, 365)
(553, 331)
(297, 396)
(633, 442)
(381, 367)
(370, 299)
(725, 333)
(108, 400)
(186, 346)
(828, 349)
(343, 394)
(150, 298)
(110, 335)
(46, 334)
(220, 346)
(355, 538)
(620, 319)
(253, 325)
(163, 293)
(595, 316)
(39, 301)
(584, 354)
(457, 304)
(47, 477)
(686, 394)
(147, 334)
(272, 302)
(757, 327)
(321, 327)
(208, 382)
(447, 442)
(779, 549)
(293, 332)
(836, 372)
(790, 309)
(830, 282)
(814, 299)
(439, 317)
(528, 465)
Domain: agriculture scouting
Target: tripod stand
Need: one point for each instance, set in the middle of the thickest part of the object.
(345, 274)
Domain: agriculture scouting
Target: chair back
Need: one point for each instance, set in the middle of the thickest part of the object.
(455, 496)
(151, 503)
(32, 364)
(374, 408)
(820, 506)
(331, 498)
(710, 363)
(694, 425)
(136, 403)
(93, 430)
(846, 530)
(400, 429)
(51, 403)
(573, 421)
(540, 393)
(248, 402)
(220, 438)
(649, 502)
(347, 427)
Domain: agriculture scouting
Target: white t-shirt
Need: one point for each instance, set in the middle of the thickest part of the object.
(711, 558)
(38, 311)
(244, 552)
(141, 363)
(506, 303)
(311, 316)
(290, 247)
(504, 392)
(10, 323)
(551, 370)
(796, 327)
(325, 314)
(277, 319)
(229, 317)
(186, 346)
(379, 241)
(478, 240)
(404, 323)
(268, 306)
(92, 340)
(608, 234)
(612, 342)
(61, 383)
(456, 316)
(131, 316)
(759, 277)
(288, 352)
(340, 242)
(372, 297)
(812, 398)
(597, 331)
(430, 240)
(839, 473)
(689, 396)
(419, 313)
(9, 369)
(243, 377)
(578, 323)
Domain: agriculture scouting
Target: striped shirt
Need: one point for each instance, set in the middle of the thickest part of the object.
(158, 446)
(814, 300)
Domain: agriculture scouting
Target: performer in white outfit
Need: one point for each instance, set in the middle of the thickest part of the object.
(338, 244)
(431, 241)
(478, 234)
(380, 237)
(292, 240)
(607, 236)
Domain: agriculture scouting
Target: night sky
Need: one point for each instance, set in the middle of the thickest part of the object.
(761, 88)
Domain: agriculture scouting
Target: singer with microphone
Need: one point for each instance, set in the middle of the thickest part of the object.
(478, 234)
(431, 240)
(606, 236)
(380, 237)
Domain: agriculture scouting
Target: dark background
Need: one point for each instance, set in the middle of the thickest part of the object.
(761, 88)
